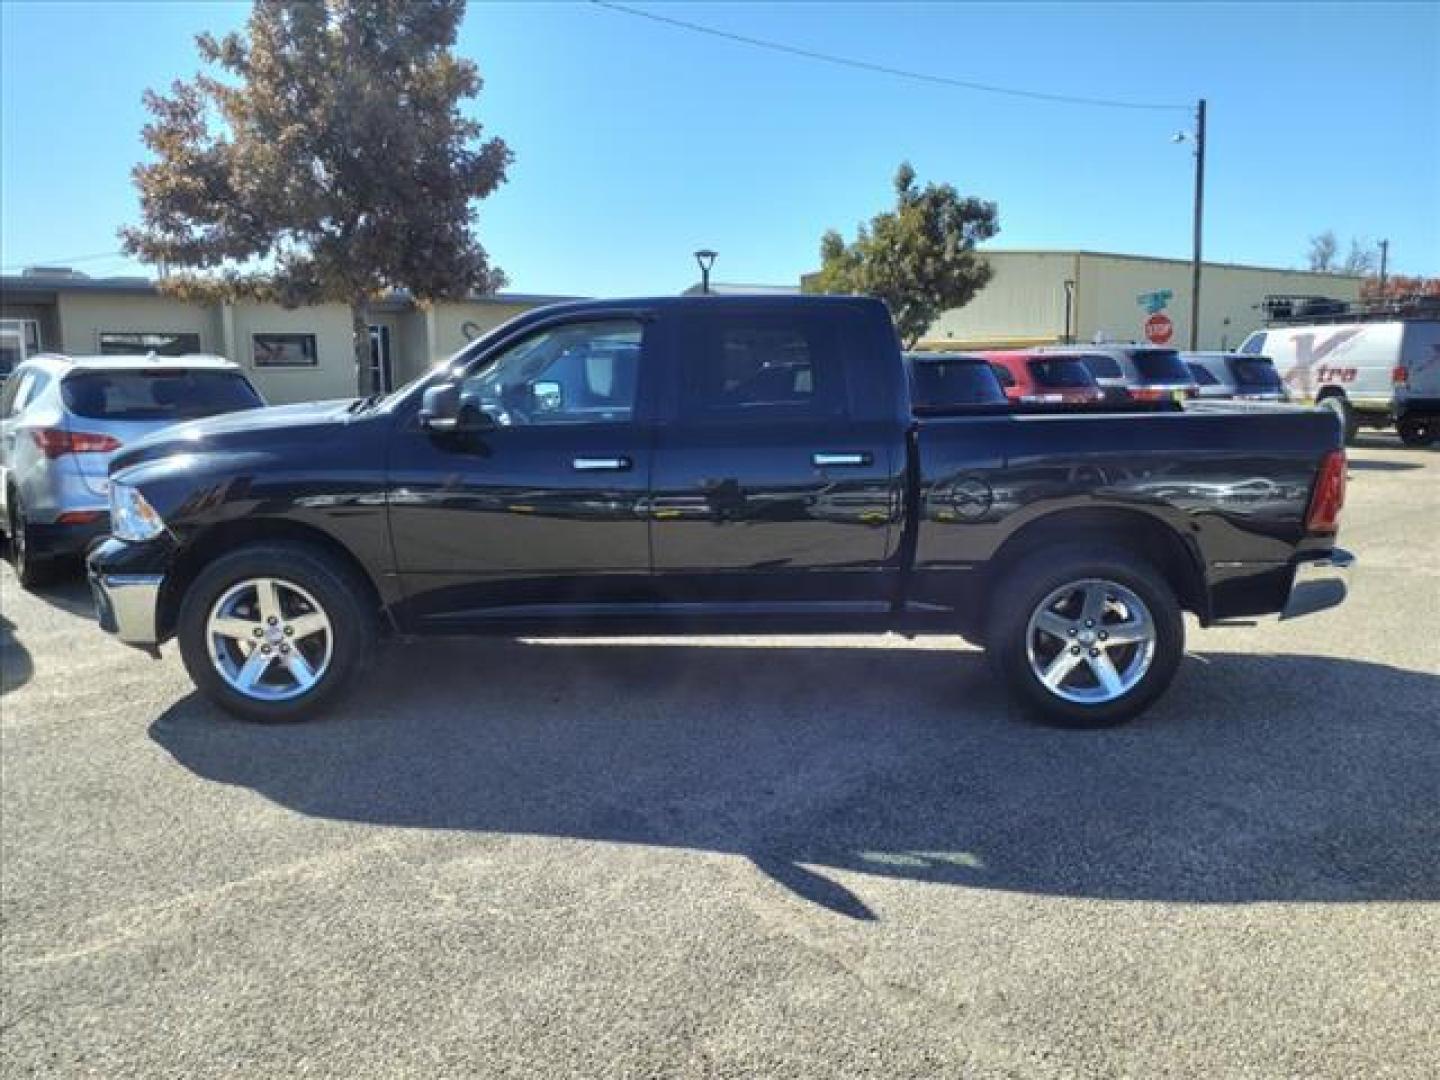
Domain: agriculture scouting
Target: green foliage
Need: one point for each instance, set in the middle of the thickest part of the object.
(919, 258)
(322, 156)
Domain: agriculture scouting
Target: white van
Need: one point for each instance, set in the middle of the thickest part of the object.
(1372, 368)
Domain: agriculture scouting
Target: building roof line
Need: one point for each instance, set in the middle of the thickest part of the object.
(1163, 258)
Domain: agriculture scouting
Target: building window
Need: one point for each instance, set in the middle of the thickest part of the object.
(144, 342)
(284, 350)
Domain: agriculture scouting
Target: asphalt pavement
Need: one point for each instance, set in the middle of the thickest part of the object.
(738, 856)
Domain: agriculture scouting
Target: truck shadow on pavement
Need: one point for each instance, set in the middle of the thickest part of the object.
(1258, 778)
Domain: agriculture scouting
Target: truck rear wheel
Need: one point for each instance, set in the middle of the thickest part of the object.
(275, 631)
(1084, 637)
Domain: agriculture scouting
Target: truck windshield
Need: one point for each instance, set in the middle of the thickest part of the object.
(163, 394)
(1064, 372)
(1256, 371)
(1160, 366)
(937, 384)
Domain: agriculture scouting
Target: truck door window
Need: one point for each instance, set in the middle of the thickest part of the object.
(773, 367)
(578, 373)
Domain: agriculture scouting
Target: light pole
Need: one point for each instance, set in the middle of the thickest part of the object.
(706, 258)
(1198, 136)
(1384, 261)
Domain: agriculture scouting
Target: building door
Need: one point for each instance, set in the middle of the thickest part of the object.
(382, 374)
(19, 339)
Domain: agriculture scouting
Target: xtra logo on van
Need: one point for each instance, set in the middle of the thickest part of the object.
(1310, 350)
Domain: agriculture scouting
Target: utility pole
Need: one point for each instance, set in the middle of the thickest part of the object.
(1199, 222)
(1384, 260)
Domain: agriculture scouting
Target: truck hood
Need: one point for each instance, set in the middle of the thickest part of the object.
(252, 429)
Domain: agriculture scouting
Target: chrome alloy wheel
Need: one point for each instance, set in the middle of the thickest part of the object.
(269, 639)
(1090, 641)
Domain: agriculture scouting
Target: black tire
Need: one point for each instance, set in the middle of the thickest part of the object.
(1349, 421)
(30, 570)
(1035, 578)
(340, 595)
(1416, 432)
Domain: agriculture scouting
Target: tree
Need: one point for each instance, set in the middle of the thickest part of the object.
(1324, 256)
(1361, 260)
(331, 165)
(1322, 252)
(919, 258)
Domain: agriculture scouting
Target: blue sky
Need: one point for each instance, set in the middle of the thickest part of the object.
(636, 143)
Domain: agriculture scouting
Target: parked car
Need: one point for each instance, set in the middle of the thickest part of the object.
(1133, 372)
(755, 466)
(63, 418)
(946, 381)
(1372, 365)
(1235, 376)
(1032, 379)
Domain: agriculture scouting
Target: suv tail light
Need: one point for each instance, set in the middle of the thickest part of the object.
(1400, 376)
(57, 442)
(1328, 498)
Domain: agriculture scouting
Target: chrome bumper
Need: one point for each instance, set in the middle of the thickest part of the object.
(128, 606)
(1319, 584)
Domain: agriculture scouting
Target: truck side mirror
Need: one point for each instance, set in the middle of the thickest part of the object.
(440, 407)
(444, 409)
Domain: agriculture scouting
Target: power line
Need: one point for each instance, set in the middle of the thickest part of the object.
(67, 259)
(882, 69)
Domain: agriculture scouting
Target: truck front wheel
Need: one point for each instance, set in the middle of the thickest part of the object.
(274, 631)
(1085, 637)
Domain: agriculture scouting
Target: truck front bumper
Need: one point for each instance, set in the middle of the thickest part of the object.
(128, 606)
(1320, 583)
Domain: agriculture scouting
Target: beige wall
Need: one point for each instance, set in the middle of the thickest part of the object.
(1229, 297)
(419, 337)
(84, 316)
(1024, 303)
(334, 374)
(450, 318)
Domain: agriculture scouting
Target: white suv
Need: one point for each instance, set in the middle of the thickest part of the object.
(61, 420)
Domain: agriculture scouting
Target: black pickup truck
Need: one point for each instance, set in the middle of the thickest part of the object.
(712, 464)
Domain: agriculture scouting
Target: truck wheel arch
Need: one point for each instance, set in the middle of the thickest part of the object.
(227, 536)
(1141, 534)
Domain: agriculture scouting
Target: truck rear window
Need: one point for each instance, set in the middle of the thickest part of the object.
(1102, 366)
(1256, 371)
(1160, 366)
(1061, 371)
(937, 384)
(165, 394)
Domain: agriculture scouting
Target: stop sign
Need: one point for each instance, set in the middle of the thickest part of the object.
(1159, 329)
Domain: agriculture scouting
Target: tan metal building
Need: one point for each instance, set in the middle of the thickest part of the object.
(1118, 298)
(292, 354)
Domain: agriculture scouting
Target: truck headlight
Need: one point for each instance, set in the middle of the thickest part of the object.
(131, 517)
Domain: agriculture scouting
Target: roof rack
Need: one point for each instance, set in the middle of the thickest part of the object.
(1286, 309)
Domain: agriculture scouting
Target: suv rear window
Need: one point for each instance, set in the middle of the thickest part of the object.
(1255, 371)
(1160, 366)
(937, 384)
(163, 394)
(1062, 372)
(1103, 366)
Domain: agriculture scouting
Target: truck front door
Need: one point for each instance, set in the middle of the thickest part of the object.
(543, 514)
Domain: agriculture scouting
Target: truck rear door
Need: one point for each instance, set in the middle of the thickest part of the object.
(779, 472)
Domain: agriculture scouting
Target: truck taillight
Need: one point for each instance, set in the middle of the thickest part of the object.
(1400, 376)
(57, 442)
(1328, 497)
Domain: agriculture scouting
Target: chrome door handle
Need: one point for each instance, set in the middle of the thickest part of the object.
(826, 461)
(601, 464)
